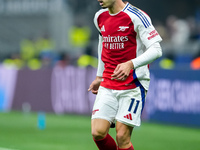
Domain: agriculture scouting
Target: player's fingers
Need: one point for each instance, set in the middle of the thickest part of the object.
(117, 76)
(116, 69)
(116, 72)
(90, 88)
(94, 91)
(122, 78)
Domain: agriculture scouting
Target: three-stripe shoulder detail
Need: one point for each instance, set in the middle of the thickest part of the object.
(140, 15)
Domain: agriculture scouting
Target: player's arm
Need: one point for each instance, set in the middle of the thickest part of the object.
(100, 67)
(152, 53)
(150, 38)
(94, 86)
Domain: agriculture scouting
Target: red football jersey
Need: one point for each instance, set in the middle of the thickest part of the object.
(125, 36)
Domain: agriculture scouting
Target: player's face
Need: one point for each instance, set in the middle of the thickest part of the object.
(106, 3)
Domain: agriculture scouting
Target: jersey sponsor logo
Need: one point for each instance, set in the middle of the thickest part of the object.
(103, 29)
(128, 116)
(115, 38)
(123, 28)
(114, 42)
(152, 34)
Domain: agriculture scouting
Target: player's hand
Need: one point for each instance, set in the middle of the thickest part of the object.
(122, 71)
(94, 86)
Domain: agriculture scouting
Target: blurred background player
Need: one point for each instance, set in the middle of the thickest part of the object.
(128, 42)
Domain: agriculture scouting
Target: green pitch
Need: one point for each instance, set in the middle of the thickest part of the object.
(19, 131)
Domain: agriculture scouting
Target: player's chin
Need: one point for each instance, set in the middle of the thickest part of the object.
(104, 7)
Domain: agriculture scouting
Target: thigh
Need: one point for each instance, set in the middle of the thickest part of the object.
(100, 128)
(131, 104)
(123, 130)
(105, 106)
(123, 136)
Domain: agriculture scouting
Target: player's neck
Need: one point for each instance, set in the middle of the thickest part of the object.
(116, 7)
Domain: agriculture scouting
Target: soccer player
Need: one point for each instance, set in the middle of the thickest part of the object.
(128, 42)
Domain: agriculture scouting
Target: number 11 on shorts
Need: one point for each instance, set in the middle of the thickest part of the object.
(131, 105)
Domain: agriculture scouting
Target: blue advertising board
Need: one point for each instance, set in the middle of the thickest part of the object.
(174, 97)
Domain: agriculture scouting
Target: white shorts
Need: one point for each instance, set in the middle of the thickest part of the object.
(124, 106)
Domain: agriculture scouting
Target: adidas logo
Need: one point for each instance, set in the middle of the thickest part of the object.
(129, 116)
(103, 29)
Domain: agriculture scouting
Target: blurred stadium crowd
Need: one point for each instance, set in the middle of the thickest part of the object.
(38, 34)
